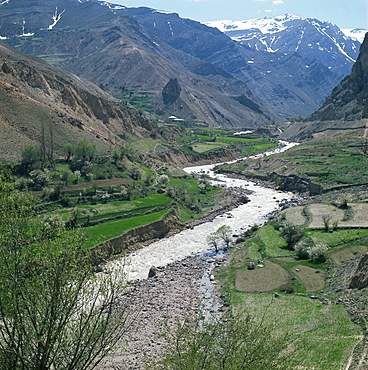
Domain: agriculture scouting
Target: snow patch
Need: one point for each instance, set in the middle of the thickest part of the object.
(113, 6)
(56, 17)
(264, 25)
(355, 33)
(243, 132)
(172, 32)
(23, 30)
(163, 12)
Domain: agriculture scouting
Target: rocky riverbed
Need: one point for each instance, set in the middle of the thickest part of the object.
(178, 290)
(182, 280)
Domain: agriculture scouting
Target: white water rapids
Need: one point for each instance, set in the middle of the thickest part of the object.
(193, 241)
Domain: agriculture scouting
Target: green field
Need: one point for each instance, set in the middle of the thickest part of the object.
(99, 233)
(329, 162)
(324, 336)
(203, 148)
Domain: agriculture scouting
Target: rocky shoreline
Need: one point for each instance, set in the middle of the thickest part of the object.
(171, 294)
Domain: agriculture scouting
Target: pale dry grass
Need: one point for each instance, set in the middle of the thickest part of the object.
(312, 280)
(271, 276)
(318, 211)
(347, 253)
(360, 215)
(294, 216)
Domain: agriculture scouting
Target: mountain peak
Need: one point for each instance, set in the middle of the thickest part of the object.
(311, 38)
(264, 25)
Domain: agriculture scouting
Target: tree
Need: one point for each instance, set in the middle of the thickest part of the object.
(213, 240)
(30, 158)
(326, 221)
(318, 253)
(40, 178)
(292, 234)
(231, 344)
(135, 173)
(224, 232)
(85, 150)
(69, 151)
(65, 177)
(56, 313)
(163, 180)
(203, 184)
(303, 248)
(116, 156)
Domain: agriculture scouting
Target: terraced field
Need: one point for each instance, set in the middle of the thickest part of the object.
(355, 215)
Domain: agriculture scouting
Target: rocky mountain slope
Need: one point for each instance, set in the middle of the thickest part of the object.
(95, 41)
(311, 38)
(349, 100)
(38, 100)
(292, 84)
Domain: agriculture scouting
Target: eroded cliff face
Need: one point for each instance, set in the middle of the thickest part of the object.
(34, 94)
(132, 239)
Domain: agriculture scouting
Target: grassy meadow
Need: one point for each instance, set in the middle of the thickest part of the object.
(291, 293)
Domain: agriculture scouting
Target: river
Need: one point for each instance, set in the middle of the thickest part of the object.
(189, 242)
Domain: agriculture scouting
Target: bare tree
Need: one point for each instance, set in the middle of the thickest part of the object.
(326, 221)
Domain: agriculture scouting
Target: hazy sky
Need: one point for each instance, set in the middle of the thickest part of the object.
(344, 13)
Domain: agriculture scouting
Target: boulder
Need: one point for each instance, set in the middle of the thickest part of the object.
(359, 280)
(153, 271)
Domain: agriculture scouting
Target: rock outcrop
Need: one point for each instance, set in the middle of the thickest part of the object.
(349, 100)
(171, 91)
(359, 279)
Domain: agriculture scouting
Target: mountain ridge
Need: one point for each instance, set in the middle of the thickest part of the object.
(288, 95)
(96, 41)
(36, 96)
(335, 48)
(349, 100)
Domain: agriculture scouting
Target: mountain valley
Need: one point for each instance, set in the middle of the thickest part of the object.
(208, 94)
(204, 167)
(212, 70)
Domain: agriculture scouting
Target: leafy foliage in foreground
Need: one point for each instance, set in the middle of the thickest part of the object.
(56, 313)
(232, 344)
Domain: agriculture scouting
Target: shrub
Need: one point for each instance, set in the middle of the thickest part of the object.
(318, 253)
(288, 289)
(65, 201)
(292, 234)
(303, 248)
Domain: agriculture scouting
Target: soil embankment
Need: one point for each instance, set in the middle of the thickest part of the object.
(144, 235)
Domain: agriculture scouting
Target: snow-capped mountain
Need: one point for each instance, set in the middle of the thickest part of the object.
(311, 38)
(264, 25)
(355, 33)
